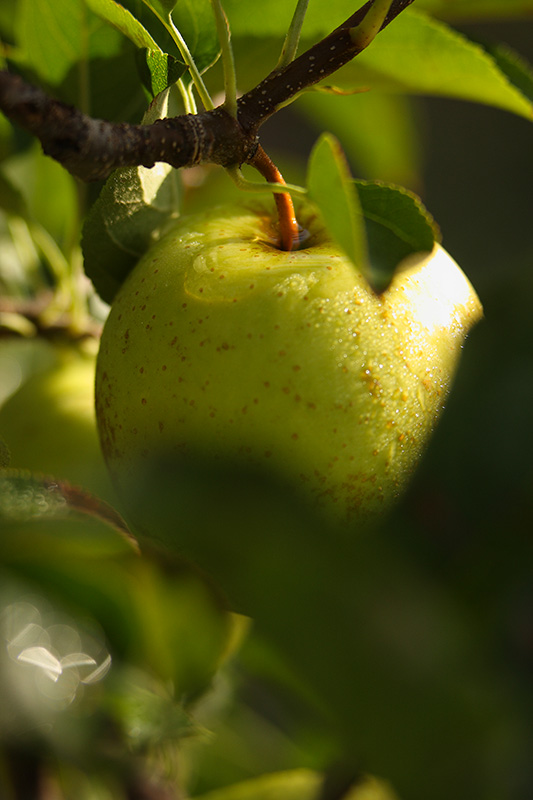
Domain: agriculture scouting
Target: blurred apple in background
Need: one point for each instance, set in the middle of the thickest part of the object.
(49, 425)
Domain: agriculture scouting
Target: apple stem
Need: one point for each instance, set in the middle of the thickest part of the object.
(288, 224)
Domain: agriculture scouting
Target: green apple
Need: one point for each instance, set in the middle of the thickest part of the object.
(221, 346)
(49, 423)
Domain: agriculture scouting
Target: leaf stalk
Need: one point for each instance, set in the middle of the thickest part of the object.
(290, 46)
(367, 30)
(228, 62)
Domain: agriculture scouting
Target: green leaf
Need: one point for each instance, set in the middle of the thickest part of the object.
(376, 224)
(6, 137)
(151, 606)
(296, 784)
(385, 141)
(419, 55)
(124, 21)
(55, 35)
(115, 90)
(391, 685)
(32, 174)
(146, 712)
(331, 188)
(251, 19)
(54, 44)
(133, 209)
(5, 455)
(516, 68)
(24, 496)
(193, 30)
(397, 225)
(196, 23)
(416, 54)
(409, 661)
(478, 9)
(162, 8)
(11, 199)
(7, 18)
(158, 70)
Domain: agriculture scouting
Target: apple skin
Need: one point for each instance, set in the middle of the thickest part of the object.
(221, 346)
(49, 423)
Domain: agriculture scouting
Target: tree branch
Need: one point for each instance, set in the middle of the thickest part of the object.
(313, 66)
(91, 149)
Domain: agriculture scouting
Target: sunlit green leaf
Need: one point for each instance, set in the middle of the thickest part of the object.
(331, 188)
(124, 21)
(182, 629)
(516, 68)
(162, 8)
(158, 70)
(416, 54)
(54, 45)
(256, 22)
(420, 55)
(297, 784)
(321, 18)
(376, 224)
(196, 25)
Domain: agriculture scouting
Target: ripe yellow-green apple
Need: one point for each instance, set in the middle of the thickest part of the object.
(223, 347)
(49, 423)
(224, 358)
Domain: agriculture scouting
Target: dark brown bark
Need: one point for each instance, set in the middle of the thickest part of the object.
(91, 149)
(313, 66)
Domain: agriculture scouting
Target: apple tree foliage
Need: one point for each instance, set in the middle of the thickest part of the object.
(122, 672)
